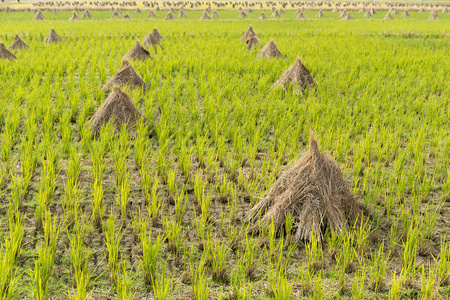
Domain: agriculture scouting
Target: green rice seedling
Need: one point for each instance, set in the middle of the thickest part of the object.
(200, 149)
(317, 292)
(113, 237)
(396, 287)
(141, 149)
(139, 223)
(344, 260)
(237, 280)
(124, 283)
(288, 227)
(173, 229)
(106, 140)
(9, 275)
(41, 208)
(98, 166)
(394, 237)
(377, 268)
(283, 262)
(219, 253)
(150, 251)
(162, 163)
(180, 205)
(314, 254)
(362, 236)
(185, 161)
(123, 198)
(429, 220)
(409, 252)
(29, 161)
(9, 254)
(98, 209)
(443, 264)
(201, 228)
(8, 141)
(233, 236)
(71, 201)
(17, 192)
(358, 285)
(205, 207)
(146, 184)
(120, 163)
(279, 284)
(428, 282)
(66, 132)
(156, 202)
(46, 189)
(41, 273)
(74, 165)
(306, 279)
(233, 204)
(79, 253)
(16, 234)
(250, 258)
(86, 138)
(83, 280)
(200, 288)
(163, 287)
(171, 185)
(199, 185)
(223, 188)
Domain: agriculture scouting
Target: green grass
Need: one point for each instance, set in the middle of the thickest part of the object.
(223, 135)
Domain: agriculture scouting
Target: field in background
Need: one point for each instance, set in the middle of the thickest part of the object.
(172, 208)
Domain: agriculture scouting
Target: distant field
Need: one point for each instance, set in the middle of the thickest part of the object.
(162, 215)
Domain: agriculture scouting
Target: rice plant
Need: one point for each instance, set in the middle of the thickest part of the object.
(150, 252)
(113, 236)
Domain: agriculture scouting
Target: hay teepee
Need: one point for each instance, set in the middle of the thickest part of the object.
(86, 14)
(18, 44)
(300, 16)
(388, 17)
(314, 192)
(347, 17)
(151, 14)
(125, 76)
(74, 17)
(298, 75)
(169, 16)
(53, 37)
(262, 16)
(246, 34)
(157, 34)
(38, 16)
(434, 16)
(242, 15)
(215, 14)
(252, 42)
(368, 14)
(119, 108)
(5, 53)
(137, 52)
(405, 14)
(275, 14)
(270, 50)
(205, 16)
(151, 40)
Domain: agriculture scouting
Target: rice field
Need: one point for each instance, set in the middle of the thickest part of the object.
(162, 213)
